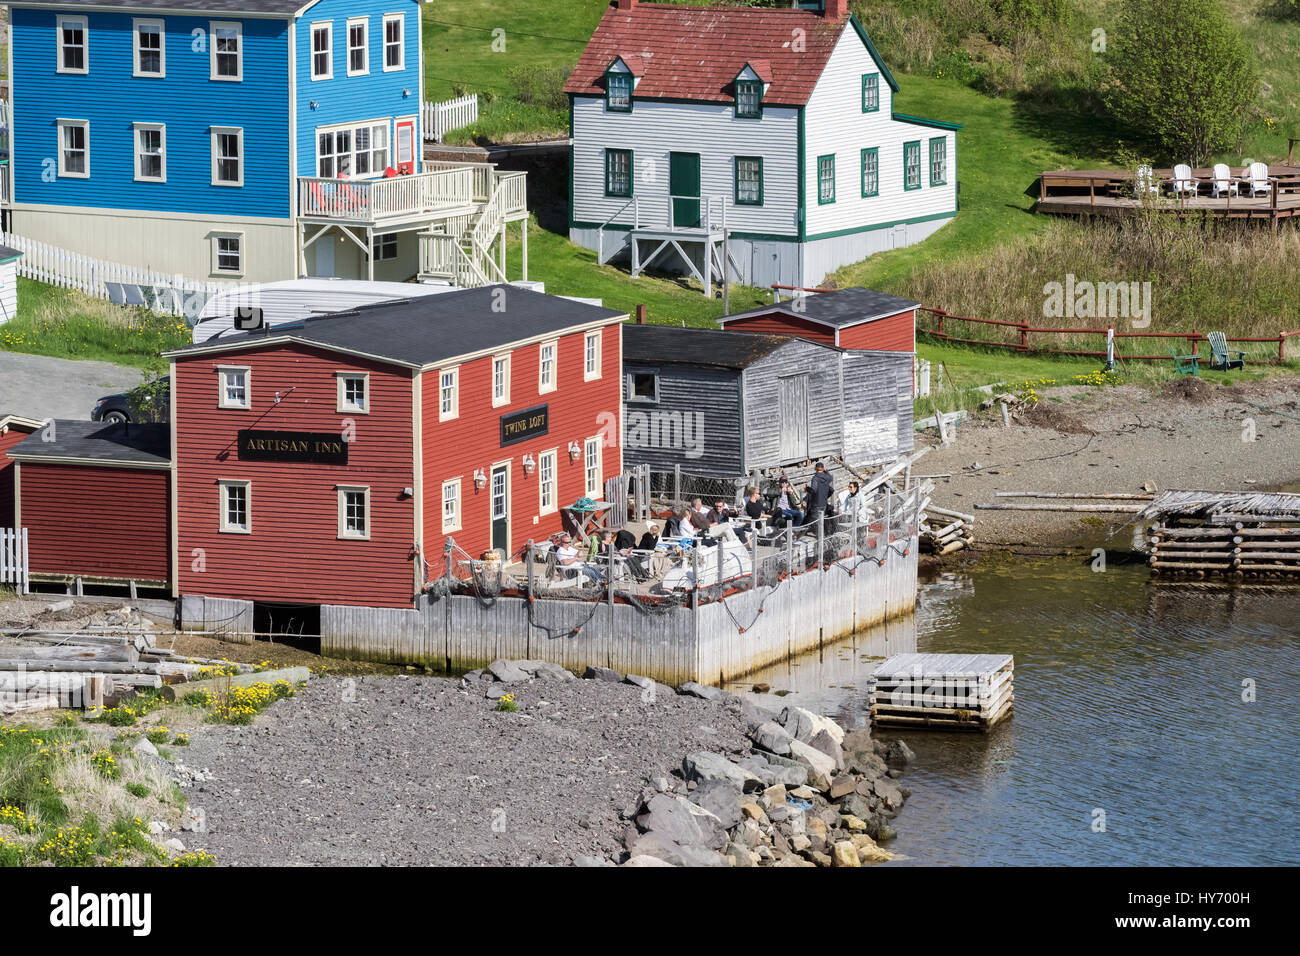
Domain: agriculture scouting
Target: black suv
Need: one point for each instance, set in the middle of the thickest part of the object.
(146, 403)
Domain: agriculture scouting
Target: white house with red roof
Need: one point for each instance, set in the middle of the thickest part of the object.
(771, 128)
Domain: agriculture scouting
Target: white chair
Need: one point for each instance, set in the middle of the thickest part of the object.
(1183, 181)
(1222, 184)
(1144, 181)
(1257, 179)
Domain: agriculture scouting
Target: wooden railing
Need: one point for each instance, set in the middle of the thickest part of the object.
(514, 197)
(482, 175)
(1122, 185)
(372, 200)
(442, 257)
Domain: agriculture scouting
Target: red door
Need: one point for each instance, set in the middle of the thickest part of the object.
(406, 146)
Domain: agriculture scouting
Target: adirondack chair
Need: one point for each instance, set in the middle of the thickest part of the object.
(1221, 357)
(1222, 184)
(1184, 364)
(1184, 181)
(1257, 180)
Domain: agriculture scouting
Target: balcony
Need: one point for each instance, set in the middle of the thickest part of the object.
(390, 201)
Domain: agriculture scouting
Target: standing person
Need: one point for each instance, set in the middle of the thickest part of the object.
(852, 502)
(786, 501)
(819, 492)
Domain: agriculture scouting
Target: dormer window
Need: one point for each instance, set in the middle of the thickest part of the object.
(749, 99)
(618, 91)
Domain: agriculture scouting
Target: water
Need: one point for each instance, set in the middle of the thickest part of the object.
(1128, 702)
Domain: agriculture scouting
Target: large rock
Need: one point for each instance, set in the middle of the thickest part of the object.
(699, 690)
(704, 767)
(145, 748)
(821, 768)
(677, 854)
(507, 671)
(683, 822)
(898, 754)
(866, 763)
(829, 746)
(771, 737)
(786, 771)
(888, 791)
(646, 861)
(645, 683)
(845, 853)
(805, 725)
(603, 673)
(547, 670)
(859, 738)
(721, 800)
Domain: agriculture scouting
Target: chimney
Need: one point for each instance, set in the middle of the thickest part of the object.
(640, 315)
(835, 9)
(626, 4)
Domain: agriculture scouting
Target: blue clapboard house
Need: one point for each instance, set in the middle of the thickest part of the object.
(244, 139)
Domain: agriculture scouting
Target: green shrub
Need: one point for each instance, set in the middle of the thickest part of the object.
(541, 86)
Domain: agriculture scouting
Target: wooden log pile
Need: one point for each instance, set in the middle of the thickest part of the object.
(944, 531)
(1230, 535)
(970, 692)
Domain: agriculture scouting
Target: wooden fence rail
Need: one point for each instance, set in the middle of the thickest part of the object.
(439, 119)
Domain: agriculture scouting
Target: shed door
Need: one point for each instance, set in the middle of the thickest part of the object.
(794, 417)
(684, 186)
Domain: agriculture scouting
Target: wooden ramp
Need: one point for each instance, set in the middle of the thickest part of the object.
(943, 691)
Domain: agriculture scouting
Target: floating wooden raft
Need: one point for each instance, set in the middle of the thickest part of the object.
(1238, 535)
(943, 691)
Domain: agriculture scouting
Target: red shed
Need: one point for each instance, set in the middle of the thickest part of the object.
(94, 500)
(849, 318)
(317, 463)
(13, 429)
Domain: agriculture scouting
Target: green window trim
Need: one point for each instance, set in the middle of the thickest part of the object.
(874, 153)
(754, 88)
(735, 174)
(910, 145)
(942, 178)
(610, 155)
(821, 199)
(625, 81)
(871, 83)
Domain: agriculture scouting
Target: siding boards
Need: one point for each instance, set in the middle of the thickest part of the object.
(877, 405)
(762, 402)
(654, 433)
(893, 333)
(780, 323)
(8, 474)
(97, 521)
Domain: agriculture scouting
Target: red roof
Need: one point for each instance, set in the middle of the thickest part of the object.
(695, 53)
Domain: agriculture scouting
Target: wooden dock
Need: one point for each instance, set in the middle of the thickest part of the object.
(969, 692)
(1239, 535)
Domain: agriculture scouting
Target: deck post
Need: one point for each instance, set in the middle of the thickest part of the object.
(753, 558)
(853, 524)
(789, 548)
(1194, 337)
(610, 569)
(447, 552)
(821, 538)
(721, 566)
(525, 247)
(695, 576)
(1281, 346)
(677, 485)
(528, 567)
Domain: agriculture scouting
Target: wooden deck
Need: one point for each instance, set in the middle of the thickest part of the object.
(1110, 192)
(943, 691)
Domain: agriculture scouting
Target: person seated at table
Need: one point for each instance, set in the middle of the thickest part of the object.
(650, 540)
(598, 545)
(786, 499)
(686, 528)
(698, 507)
(724, 516)
(624, 540)
(624, 543)
(567, 555)
(754, 509)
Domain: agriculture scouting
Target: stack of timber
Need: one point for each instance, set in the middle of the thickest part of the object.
(944, 531)
(47, 670)
(1237, 535)
(943, 691)
(1067, 501)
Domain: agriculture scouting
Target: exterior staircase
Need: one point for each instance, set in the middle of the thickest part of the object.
(468, 251)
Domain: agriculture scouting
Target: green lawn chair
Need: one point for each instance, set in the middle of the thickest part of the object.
(1184, 364)
(1221, 358)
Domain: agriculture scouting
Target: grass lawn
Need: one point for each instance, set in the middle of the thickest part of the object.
(62, 324)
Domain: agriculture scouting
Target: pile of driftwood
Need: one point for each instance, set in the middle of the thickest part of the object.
(944, 531)
(84, 669)
(1237, 535)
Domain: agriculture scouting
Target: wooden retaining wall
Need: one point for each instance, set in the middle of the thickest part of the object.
(230, 617)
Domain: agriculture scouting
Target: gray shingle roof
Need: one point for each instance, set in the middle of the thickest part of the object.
(428, 330)
(96, 441)
(8, 252)
(251, 8)
(838, 309)
(669, 345)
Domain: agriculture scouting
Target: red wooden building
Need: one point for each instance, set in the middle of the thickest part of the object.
(13, 429)
(319, 463)
(94, 499)
(854, 318)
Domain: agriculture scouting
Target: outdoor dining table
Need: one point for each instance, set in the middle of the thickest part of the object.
(586, 523)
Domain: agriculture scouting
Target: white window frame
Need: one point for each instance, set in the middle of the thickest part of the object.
(61, 125)
(343, 491)
(84, 23)
(375, 171)
(161, 128)
(400, 20)
(342, 393)
(215, 132)
(544, 384)
(327, 26)
(588, 374)
(136, 24)
(545, 484)
(501, 396)
(364, 23)
(223, 373)
(454, 524)
(588, 465)
(213, 27)
(445, 414)
(383, 241)
(216, 253)
(223, 514)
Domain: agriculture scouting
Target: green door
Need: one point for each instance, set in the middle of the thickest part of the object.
(684, 185)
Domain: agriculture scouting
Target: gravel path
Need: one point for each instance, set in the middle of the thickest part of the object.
(38, 387)
(1188, 435)
(419, 771)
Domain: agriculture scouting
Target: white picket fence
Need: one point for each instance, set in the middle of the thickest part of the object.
(13, 558)
(438, 119)
(54, 265)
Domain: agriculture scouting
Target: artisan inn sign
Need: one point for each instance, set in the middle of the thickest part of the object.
(319, 448)
(524, 424)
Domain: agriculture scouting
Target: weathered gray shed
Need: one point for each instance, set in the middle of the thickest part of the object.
(726, 404)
